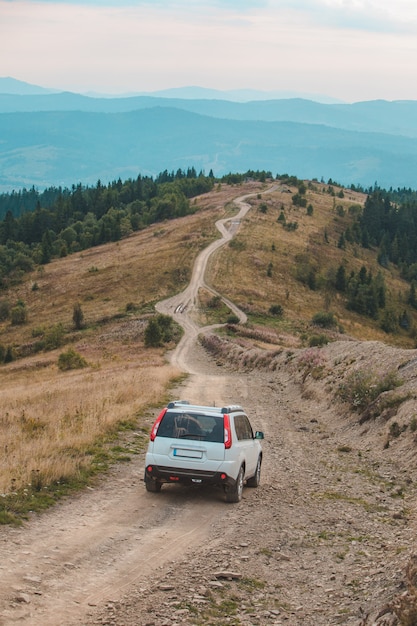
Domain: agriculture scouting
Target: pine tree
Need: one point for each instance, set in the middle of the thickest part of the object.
(78, 316)
(153, 334)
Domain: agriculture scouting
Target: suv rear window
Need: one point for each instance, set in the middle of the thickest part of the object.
(191, 426)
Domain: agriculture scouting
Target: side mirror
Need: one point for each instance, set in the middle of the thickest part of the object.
(259, 434)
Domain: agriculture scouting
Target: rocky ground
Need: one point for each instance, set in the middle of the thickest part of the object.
(327, 537)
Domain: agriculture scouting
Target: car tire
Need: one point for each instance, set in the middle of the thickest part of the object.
(234, 493)
(152, 485)
(256, 478)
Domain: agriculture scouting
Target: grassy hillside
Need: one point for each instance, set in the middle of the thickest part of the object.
(266, 264)
(59, 427)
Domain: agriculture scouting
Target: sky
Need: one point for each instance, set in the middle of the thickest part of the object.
(350, 50)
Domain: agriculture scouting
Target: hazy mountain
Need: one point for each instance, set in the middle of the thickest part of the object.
(397, 118)
(62, 148)
(10, 85)
(63, 138)
(233, 95)
(14, 86)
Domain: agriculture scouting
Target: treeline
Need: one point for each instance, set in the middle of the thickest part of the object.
(39, 226)
(388, 223)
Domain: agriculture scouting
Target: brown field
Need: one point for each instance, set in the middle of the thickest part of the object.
(240, 272)
(51, 422)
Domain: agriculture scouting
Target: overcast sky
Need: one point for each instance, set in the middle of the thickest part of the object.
(349, 49)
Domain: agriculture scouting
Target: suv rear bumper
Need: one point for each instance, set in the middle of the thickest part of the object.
(165, 474)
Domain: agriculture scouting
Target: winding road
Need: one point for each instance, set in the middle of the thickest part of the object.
(181, 306)
(93, 547)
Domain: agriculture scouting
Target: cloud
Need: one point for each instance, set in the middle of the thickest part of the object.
(164, 4)
(334, 47)
(363, 15)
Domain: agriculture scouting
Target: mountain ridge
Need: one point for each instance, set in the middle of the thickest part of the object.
(14, 86)
(58, 139)
(62, 148)
(397, 117)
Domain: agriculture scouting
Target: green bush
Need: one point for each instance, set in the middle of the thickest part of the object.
(78, 316)
(160, 329)
(71, 360)
(4, 310)
(277, 310)
(362, 387)
(19, 314)
(215, 302)
(324, 319)
(318, 341)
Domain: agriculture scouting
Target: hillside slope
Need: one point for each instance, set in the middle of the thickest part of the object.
(328, 537)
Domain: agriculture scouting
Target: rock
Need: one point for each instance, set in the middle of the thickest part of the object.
(228, 575)
(23, 598)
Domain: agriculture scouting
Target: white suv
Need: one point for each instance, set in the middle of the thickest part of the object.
(204, 445)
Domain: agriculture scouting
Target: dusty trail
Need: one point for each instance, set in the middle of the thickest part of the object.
(182, 305)
(322, 541)
(93, 547)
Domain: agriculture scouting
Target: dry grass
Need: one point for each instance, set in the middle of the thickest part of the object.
(240, 271)
(51, 422)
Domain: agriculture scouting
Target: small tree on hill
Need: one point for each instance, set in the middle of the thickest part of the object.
(153, 334)
(19, 314)
(78, 316)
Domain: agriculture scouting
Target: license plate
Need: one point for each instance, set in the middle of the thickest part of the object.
(191, 454)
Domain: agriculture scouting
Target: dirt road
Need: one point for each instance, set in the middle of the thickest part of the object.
(98, 544)
(324, 540)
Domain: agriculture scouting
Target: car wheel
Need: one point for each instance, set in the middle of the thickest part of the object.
(152, 485)
(256, 478)
(234, 494)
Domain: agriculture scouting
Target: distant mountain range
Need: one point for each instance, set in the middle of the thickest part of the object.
(65, 138)
(10, 85)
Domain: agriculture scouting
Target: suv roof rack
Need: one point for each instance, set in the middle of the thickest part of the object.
(226, 409)
(175, 403)
(231, 408)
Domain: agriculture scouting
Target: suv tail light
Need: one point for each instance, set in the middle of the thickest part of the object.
(227, 432)
(156, 424)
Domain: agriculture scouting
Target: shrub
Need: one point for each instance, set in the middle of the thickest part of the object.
(160, 330)
(237, 244)
(290, 226)
(318, 341)
(78, 316)
(395, 430)
(53, 337)
(4, 310)
(71, 360)
(277, 310)
(312, 362)
(324, 319)
(153, 334)
(19, 314)
(362, 387)
(215, 302)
